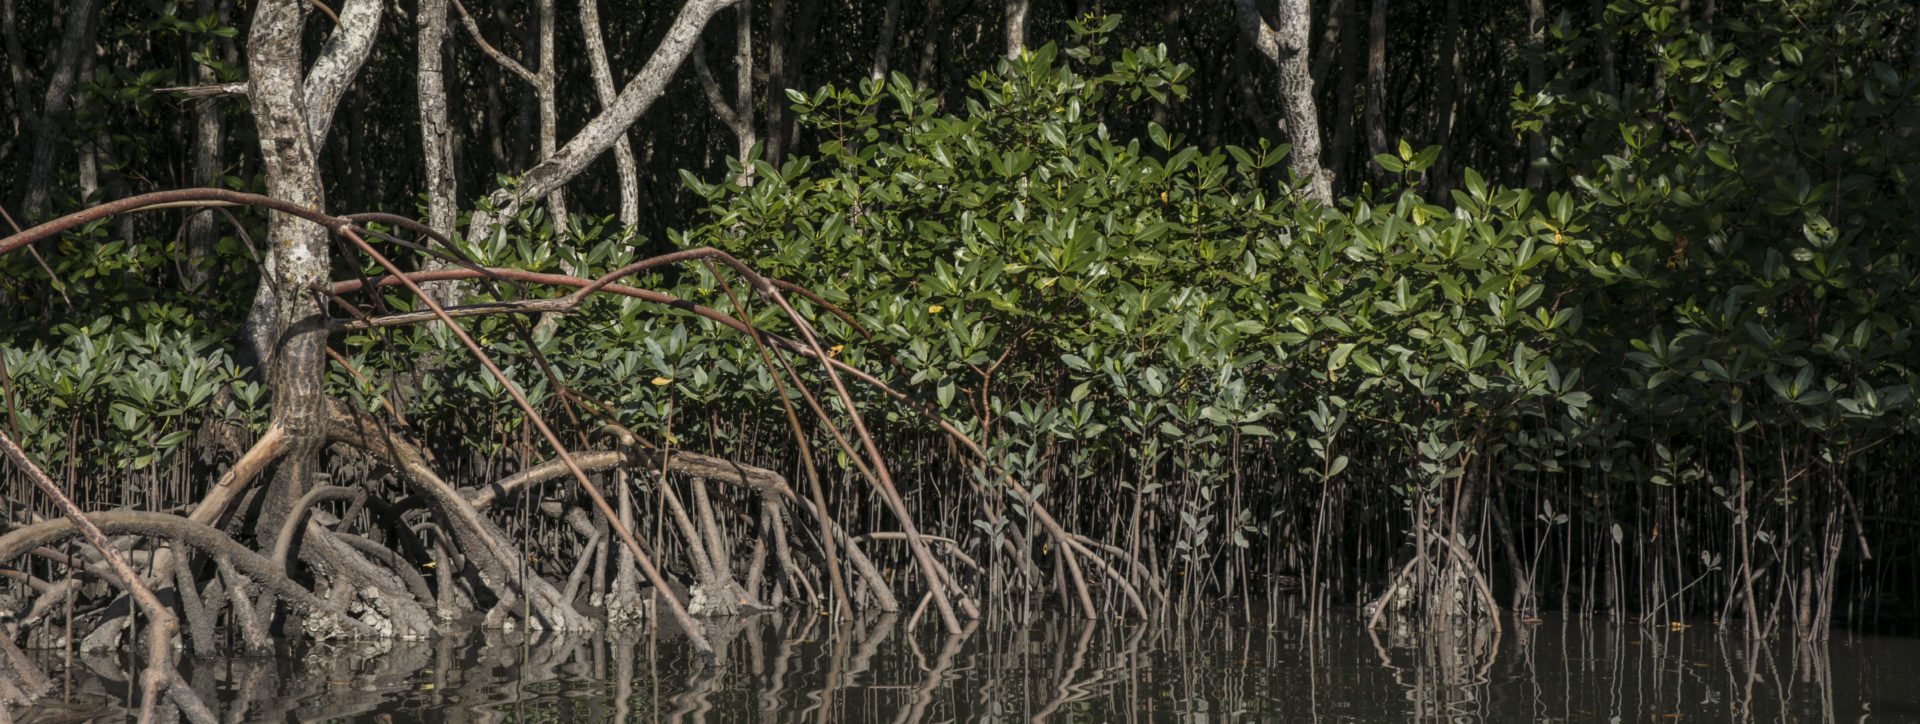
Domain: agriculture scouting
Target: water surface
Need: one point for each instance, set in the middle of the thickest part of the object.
(783, 668)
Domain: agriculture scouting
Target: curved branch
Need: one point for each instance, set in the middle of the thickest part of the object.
(166, 199)
(291, 527)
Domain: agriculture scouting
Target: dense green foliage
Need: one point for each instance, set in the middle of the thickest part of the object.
(1676, 373)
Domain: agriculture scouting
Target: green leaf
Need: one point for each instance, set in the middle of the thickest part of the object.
(1475, 185)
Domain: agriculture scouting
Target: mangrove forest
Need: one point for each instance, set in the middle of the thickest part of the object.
(366, 321)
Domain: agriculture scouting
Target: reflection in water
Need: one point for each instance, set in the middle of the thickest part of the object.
(782, 668)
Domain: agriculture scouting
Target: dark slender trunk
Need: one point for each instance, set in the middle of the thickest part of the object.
(933, 36)
(778, 37)
(1440, 179)
(76, 40)
(1377, 86)
(1348, 85)
(1602, 46)
(1536, 81)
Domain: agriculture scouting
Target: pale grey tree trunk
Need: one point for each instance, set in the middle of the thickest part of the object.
(883, 48)
(542, 81)
(209, 140)
(600, 133)
(547, 90)
(292, 170)
(341, 56)
(1286, 46)
(1017, 26)
(436, 134)
(737, 113)
(744, 136)
(603, 86)
(288, 328)
(76, 41)
(288, 321)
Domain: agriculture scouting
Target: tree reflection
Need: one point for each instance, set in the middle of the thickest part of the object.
(783, 667)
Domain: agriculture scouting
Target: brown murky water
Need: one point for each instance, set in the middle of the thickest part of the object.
(787, 668)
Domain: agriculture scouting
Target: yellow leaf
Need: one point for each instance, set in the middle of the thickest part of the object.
(935, 309)
(662, 380)
(834, 351)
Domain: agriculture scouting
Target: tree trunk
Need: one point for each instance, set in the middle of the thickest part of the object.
(1331, 37)
(933, 27)
(600, 133)
(1536, 81)
(1377, 84)
(1603, 45)
(739, 118)
(338, 64)
(603, 87)
(779, 36)
(546, 89)
(1348, 84)
(1444, 110)
(288, 329)
(744, 135)
(1016, 26)
(436, 135)
(76, 39)
(1286, 46)
(17, 71)
(883, 48)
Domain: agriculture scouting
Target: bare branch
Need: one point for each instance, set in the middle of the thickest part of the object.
(214, 90)
(473, 29)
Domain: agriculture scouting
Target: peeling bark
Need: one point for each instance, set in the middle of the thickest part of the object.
(436, 134)
(341, 57)
(1286, 46)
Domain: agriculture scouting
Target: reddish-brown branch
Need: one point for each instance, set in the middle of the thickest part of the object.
(163, 200)
(593, 492)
